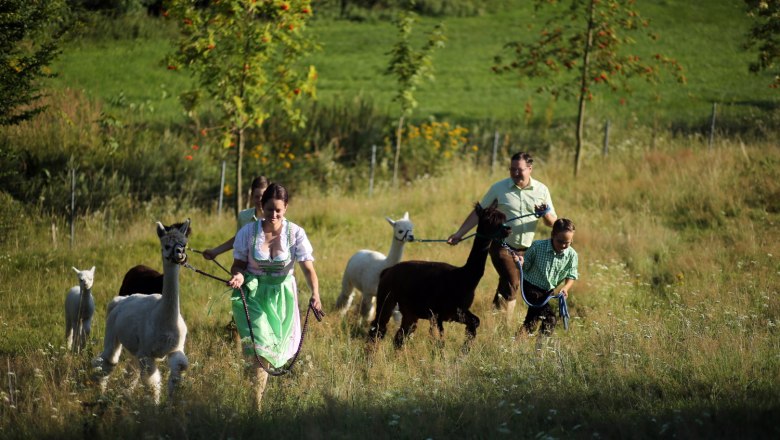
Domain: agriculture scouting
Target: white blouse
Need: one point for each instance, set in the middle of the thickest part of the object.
(295, 247)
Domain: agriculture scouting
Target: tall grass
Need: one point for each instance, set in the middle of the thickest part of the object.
(674, 319)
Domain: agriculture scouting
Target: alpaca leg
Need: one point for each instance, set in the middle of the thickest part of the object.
(178, 363)
(104, 364)
(408, 326)
(472, 322)
(69, 336)
(344, 301)
(379, 325)
(150, 376)
(368, 306)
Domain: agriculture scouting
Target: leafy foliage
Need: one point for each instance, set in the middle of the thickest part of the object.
(30, 31)
(410, 67)
(765, 33)
(591, 54)
(246, 57)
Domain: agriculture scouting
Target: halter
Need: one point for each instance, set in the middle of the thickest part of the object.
(404, 238)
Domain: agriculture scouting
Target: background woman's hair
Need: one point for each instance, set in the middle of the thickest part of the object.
(259, 182)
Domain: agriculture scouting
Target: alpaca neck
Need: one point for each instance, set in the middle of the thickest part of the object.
(475, 264)
(84, 295)
(170, 289)
(396, 252)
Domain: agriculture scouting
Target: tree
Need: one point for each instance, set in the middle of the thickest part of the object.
(589, 42)
(410, 68)
(765, 33)
(31, 31)
(246, 57)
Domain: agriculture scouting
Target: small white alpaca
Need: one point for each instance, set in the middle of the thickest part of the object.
(79, 308)
(150, 327)
(364, 267)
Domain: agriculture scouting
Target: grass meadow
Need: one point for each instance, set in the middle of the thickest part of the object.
(122, 65)
(674, 328)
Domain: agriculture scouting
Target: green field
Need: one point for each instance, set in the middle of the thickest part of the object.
(707, 40)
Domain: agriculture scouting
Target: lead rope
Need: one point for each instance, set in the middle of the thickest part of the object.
(563, 309)
(318, 314)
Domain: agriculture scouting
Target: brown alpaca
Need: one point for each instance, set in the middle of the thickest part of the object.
(144, 279)
(437, 291)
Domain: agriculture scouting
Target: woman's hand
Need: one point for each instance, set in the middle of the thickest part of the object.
(315, 302)
(236, 281)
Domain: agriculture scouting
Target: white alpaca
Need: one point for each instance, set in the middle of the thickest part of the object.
(364, 267)
(150, 327)
(79, 308)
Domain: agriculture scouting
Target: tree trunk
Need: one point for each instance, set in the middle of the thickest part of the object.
(584, 88)
(239, 160)
(398, 148)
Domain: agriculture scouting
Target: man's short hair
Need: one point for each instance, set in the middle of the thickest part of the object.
(523, 156)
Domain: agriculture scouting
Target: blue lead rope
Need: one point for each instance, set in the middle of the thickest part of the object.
(536, 214)
(563, 309)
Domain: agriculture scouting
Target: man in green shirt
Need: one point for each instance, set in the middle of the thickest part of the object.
(523, 200)
(547, 264)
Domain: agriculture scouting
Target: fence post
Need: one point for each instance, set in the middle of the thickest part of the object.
(221, 188)
(495, 152)
(371, 173)
(712, 124)
(72, 205)
(605, 150)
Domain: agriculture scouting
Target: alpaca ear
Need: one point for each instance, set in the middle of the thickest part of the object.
(389, 220)
(92, 270)
(160, 229)
(406, 216)
(184, 227)
(75, 270)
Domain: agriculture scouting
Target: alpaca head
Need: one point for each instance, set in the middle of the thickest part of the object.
(174, 241)
(402, 228)
(491, 222)
(86, 277)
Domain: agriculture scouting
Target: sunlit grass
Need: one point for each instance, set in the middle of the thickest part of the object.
(673, 331)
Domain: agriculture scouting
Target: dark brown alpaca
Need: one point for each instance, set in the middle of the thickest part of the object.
(144, 279)
(437, 291)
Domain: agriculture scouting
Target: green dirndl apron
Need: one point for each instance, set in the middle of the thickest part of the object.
(272, 301)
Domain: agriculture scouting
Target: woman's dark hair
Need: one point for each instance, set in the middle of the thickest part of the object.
(259, 182)
(275, 192)
(562, 224)
(523, 156)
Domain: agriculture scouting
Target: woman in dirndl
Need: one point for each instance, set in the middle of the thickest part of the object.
(264, 253)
